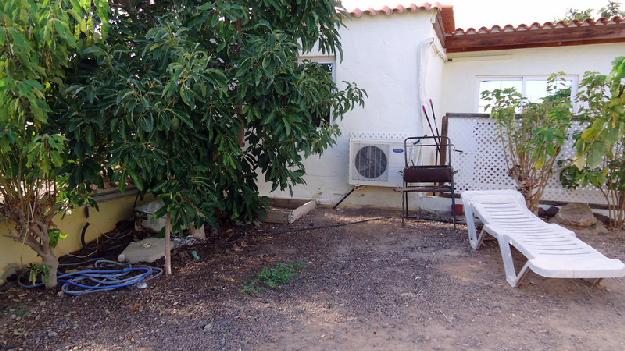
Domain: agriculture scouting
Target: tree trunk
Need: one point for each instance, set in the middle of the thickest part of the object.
(532, 203)
(52, 262)
(43, 249)
(168, 245)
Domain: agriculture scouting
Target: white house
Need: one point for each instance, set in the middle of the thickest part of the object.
(405, 55)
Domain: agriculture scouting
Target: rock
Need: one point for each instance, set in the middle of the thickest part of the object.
(147, 250)
(602, 218)
(575, 215)
(549, 212)
(599, 229)
(208, 327)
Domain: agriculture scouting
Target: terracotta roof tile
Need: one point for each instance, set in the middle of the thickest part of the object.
(357, 12)
(538, 26)
(548, 34)
(446, 11)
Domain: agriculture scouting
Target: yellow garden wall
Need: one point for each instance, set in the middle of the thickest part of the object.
(112, 210)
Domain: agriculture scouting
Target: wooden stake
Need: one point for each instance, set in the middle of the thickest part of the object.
(168, 245)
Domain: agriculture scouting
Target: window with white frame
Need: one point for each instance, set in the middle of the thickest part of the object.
(533, 88)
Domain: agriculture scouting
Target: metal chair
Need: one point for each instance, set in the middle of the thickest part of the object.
(436, 177)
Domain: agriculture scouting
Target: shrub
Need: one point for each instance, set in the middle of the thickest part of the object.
(38, 41)
(600, 148)
(194, 101)
(532, 139)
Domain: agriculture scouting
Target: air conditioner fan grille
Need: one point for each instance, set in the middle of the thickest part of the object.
(370, 162)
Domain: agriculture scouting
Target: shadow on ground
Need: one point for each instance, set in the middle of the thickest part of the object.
(369, 286)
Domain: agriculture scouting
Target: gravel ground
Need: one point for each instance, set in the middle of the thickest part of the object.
(367, 286)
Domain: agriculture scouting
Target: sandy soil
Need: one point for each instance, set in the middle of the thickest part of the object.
(368, 286)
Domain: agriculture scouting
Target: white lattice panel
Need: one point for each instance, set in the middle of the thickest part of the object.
(482, 164)
(372, 135)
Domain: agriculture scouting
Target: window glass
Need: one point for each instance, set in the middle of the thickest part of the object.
(534, 89)
(537, 89)
(497, 84)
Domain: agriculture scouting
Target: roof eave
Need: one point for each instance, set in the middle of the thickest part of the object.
(505, 40)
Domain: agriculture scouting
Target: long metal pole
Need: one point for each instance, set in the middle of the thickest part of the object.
(434, 118)
(425, 112)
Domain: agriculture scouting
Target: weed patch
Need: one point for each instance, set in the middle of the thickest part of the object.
(273, 277)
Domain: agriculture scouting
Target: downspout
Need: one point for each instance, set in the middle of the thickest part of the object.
(421, 80)
(422, 70)
(423, 58)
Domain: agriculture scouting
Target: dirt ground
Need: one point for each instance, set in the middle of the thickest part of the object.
(367, 286)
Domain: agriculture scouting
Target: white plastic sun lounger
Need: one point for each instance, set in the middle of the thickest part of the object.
(552, 250)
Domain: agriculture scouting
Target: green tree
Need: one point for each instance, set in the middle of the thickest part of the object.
(532, 140)
(600, 148)
(194, 100)
(612, 9)
(38, 41)
(575, 15)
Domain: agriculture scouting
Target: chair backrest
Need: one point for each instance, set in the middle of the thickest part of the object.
(440, 146)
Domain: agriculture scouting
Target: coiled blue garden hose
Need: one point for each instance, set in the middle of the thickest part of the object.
(105, 275)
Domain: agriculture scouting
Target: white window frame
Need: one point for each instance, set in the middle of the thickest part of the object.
(524, 79)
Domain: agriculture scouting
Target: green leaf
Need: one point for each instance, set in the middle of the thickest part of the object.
(147, 123)
(63, 30)
(287, 127)
(136, 180)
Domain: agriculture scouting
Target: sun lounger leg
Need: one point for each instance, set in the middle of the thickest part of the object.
(473, 238)
(480, 237)
(508, 264)
(521, 274)
(404, 208)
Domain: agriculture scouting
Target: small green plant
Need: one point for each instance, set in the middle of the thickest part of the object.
(38, 272)
(273, 277)
(250, 287)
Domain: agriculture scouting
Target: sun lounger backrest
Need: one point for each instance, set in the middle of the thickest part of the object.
(490, 205)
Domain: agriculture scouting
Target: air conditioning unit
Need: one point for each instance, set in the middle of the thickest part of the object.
(376, 159)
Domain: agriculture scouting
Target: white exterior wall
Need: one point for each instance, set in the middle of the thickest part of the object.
(384, 55)
(381, 55)
(460, 76)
